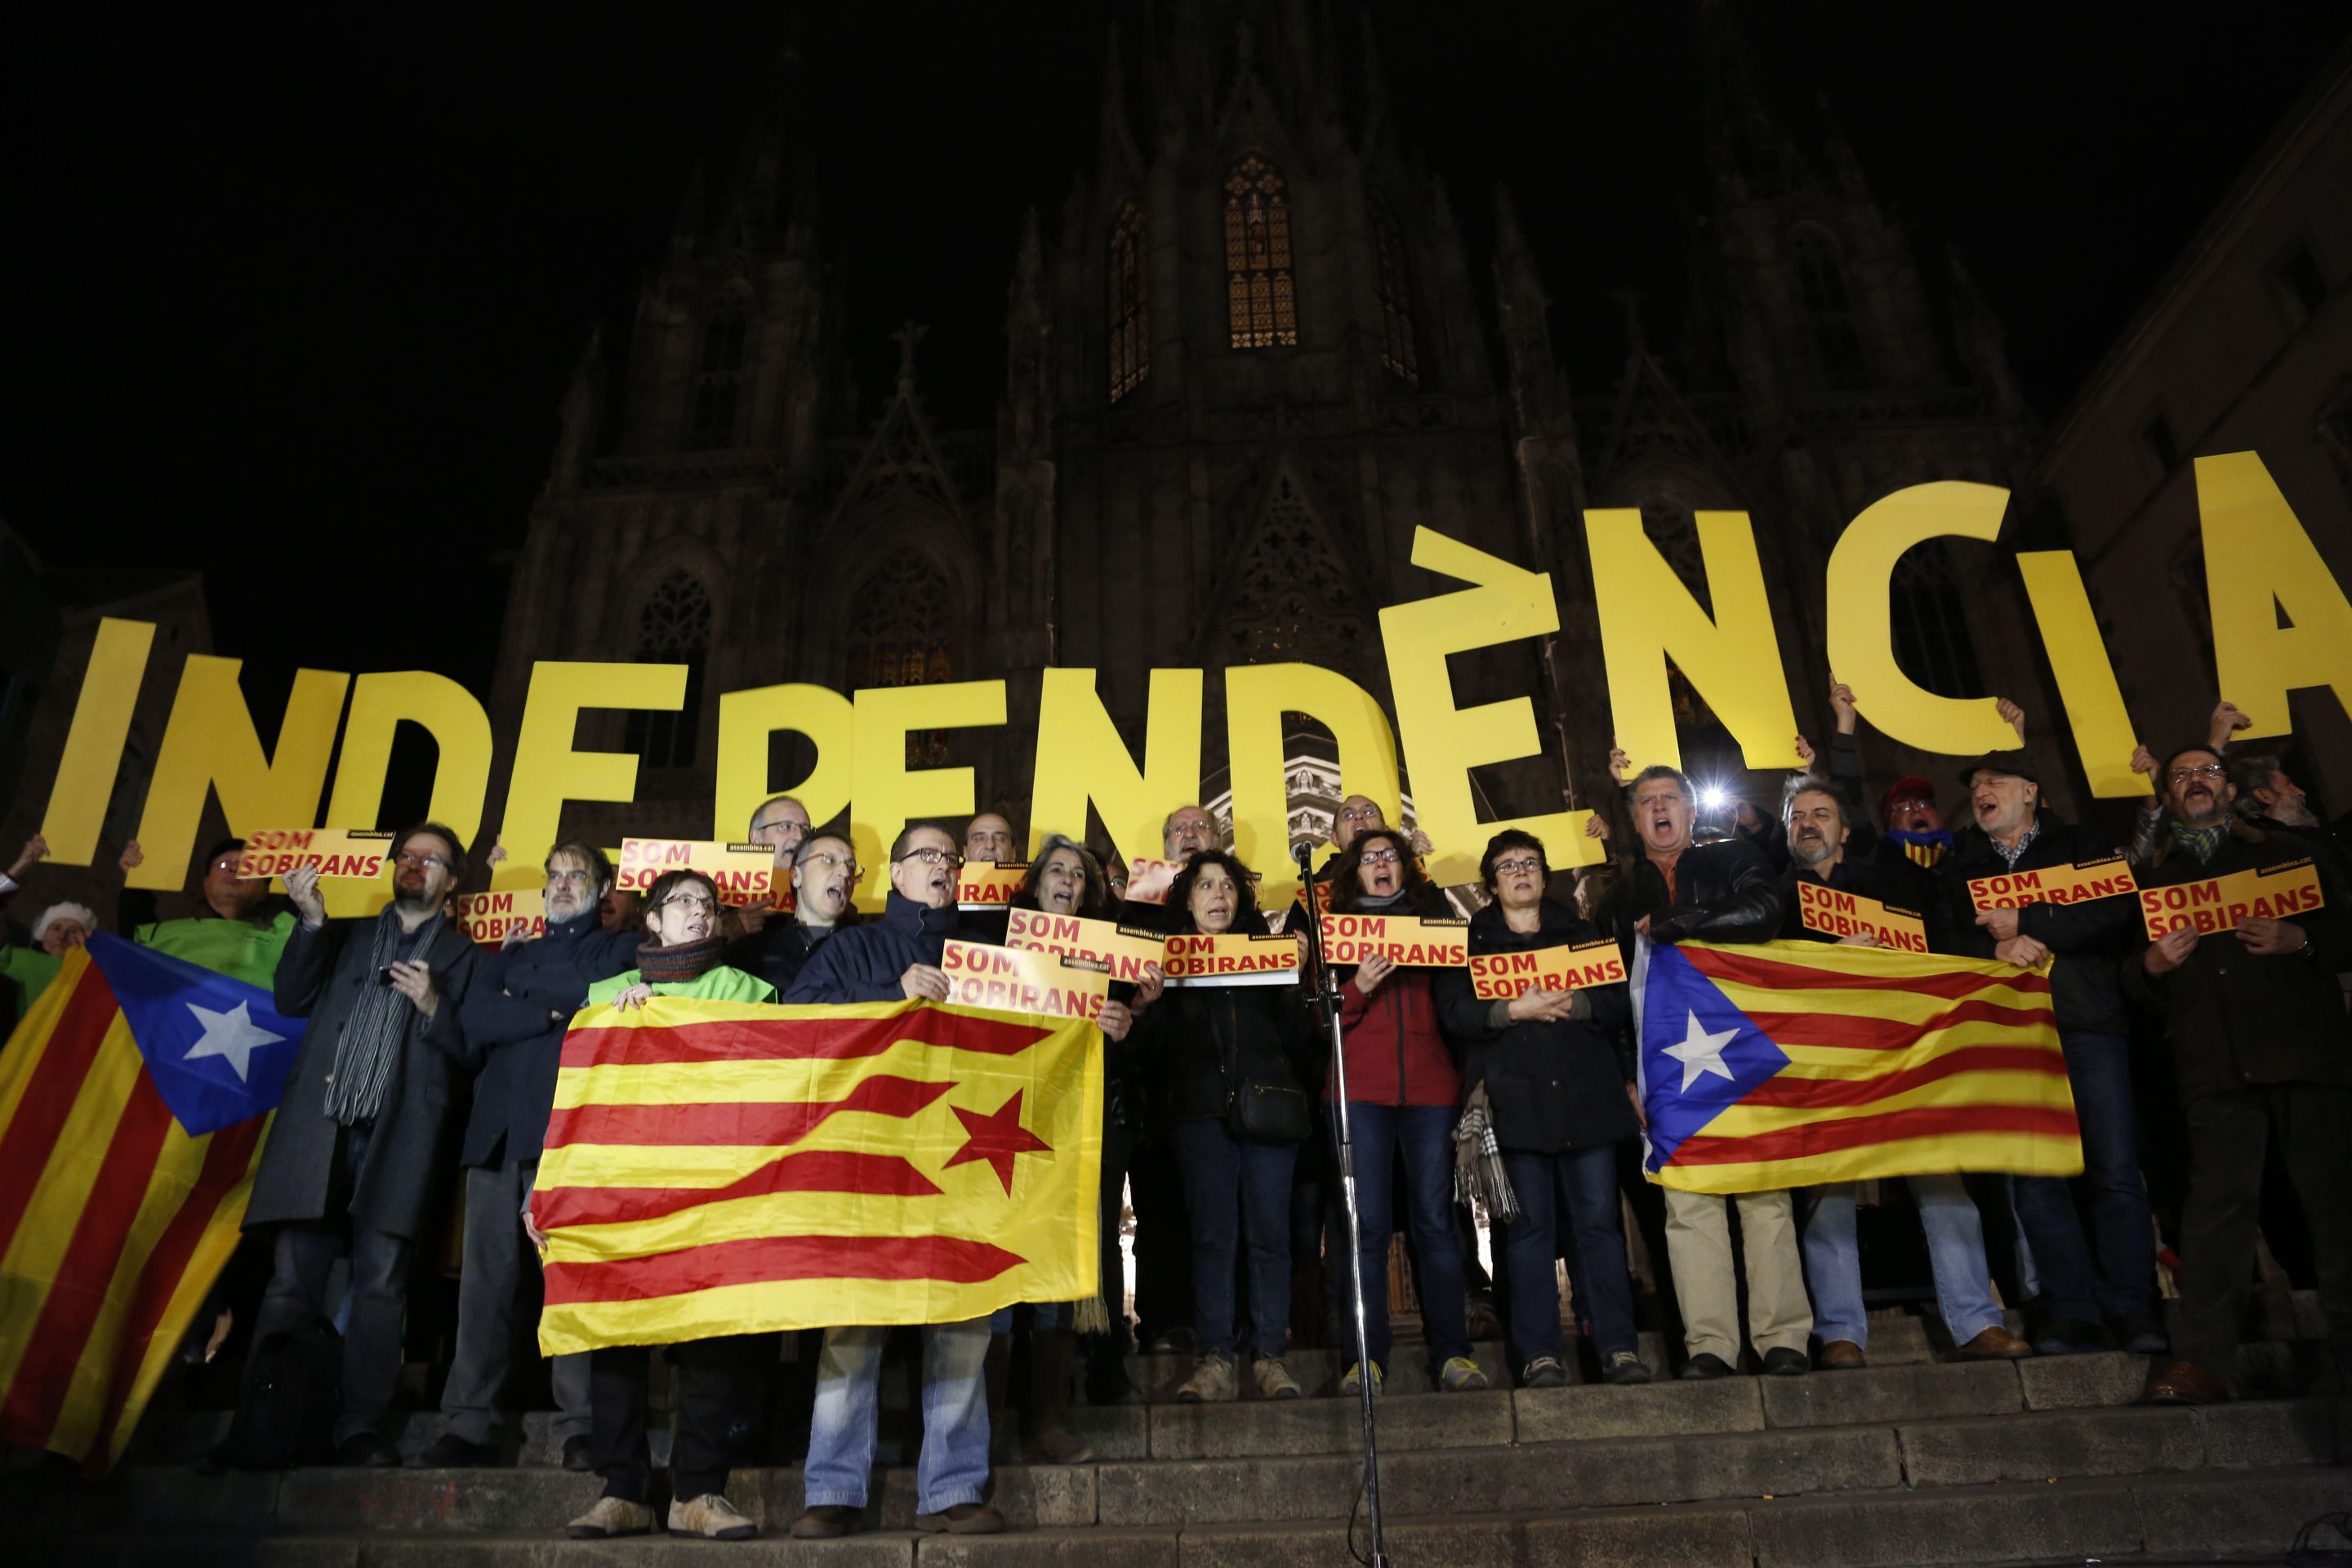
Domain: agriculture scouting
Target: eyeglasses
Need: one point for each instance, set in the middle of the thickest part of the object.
(410, 858)
(1380, 858)
(1908, 803)
(779, 821)
(826, 858)
(692, 904)
(583, 878)
(1362, 814)
(930, 856)
(1512, 868)
(2213, 771)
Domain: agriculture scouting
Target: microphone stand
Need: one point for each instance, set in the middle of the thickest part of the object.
(1325, 999)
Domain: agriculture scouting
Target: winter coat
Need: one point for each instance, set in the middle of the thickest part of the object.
(867, 961)
(1723, 891)
(1396, 1051)
(779, 950)
(2089, 939)
(1202, 1044)
(717, 983)
(521, 1003)
(1887, 875)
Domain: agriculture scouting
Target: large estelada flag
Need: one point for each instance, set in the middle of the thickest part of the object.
(133, 1099)
(1792, 1063)
(723, 1168)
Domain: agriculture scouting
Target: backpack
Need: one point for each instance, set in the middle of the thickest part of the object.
(286, 1409)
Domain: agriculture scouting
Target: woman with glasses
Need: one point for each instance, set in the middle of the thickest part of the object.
(1559, 1092)
(1402, 1090)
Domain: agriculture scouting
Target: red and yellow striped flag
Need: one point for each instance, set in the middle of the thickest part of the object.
(114, 1221)
(723, 1168)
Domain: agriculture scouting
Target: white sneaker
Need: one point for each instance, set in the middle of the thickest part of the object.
(712, 1516)
(612, 1516)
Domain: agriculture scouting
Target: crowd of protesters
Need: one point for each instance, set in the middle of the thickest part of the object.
(428, 1064)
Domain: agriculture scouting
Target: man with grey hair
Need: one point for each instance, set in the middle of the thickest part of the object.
(782, 824)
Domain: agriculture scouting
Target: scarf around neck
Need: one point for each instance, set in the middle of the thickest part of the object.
(2202, 842)
(681, 962)
(370, 1037)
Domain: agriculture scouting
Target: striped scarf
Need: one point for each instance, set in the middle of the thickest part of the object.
(1479, 1179)
(2200, 842)
(370, 1038)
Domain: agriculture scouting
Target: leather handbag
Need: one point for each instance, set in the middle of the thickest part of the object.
(1269, 1113)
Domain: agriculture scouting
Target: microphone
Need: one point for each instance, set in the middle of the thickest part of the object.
(1304, 852)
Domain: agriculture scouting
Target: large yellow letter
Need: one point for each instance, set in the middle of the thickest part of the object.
(1256, 697)
(1443, 742)
(2258, 562)
(888, 793)
(460, 731)
(747, 719)
(1081, 761)
(1647, 617)
(1861, 616)
(2087, 680)
(548, 770)
(210, 746)
(93, 755)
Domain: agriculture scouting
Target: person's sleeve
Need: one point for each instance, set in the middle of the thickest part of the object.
(1352, 1004)
(1612, 1006)
(1750, 912)
(302, 970)
(2091, 925)
(2330, 926)
(446, 1030)
(493, 1018)
(1459, 1010)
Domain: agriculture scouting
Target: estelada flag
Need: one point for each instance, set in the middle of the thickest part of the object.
(726, 1168)
(134, 1097)
(1786, 1064)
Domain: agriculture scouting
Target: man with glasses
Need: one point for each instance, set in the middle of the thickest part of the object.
(2257, 1018)
(235, 929)
(825, 878)
(521, 1003)
(354, 1157)
(782, 824)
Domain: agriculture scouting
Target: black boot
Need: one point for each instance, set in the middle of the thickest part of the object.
(1049, 1396)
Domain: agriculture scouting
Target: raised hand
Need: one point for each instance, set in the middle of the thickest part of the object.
(2227, 720)
(2012, 715)
(37, 848)
(2144, 762)
(302, 887)
(1842, 704)
(131, 858)
(1805, 754)
(1618, 763)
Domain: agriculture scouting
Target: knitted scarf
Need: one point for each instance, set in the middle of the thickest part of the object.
(370, 1037)
(681, 962)
(2202, 842)
(1479, 1179)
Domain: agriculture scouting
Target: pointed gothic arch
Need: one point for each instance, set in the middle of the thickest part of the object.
(1129, 289)
(1261, 291)
(899, 634)
(1393, 289)
(1828, 307)
(719, 373)
(675, 620)
(1289, 596)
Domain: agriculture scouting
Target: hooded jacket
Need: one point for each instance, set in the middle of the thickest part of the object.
(865, 961)
(2088, 938)
(517, 1010)
(1397, 1053)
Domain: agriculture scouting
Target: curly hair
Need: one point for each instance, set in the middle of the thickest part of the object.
(1420, 894)
(1247, 916)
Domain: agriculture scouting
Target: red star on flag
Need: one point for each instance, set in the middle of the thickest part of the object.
(997, 1138)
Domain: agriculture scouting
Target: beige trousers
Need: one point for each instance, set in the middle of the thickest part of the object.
(1699, 1244)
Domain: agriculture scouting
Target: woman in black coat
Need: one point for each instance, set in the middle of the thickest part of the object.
(1558, 1092)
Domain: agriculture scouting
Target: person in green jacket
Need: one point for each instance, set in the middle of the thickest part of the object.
(718, 1381)
(27, 971)
(235, 934)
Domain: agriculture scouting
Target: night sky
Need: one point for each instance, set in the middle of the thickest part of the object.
(293, 301)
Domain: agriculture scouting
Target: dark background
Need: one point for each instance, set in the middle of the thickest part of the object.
(292, 301)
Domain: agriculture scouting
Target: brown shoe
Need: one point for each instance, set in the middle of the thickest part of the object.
(1841, 1355)
(1996, 1344)
(964, 1518)
(825, 1521)
(2185, 1382)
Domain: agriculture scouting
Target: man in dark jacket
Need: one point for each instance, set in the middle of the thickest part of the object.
(824, 878)
(1676, 891)
(515, 1016)
(357, 1150)
(2262, 1051)
(2088, 938)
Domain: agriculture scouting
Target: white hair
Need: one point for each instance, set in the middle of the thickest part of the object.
(55, 912)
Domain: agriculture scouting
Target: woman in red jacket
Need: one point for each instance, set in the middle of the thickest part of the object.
(1403, 1089)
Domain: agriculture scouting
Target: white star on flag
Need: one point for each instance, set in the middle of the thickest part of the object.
(1701, 1052)
(233, 1035)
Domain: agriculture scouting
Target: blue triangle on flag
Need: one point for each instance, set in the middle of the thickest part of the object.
(217, 1050)
(1700, 1055)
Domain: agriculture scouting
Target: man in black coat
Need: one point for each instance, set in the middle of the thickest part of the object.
(515, 1016)
(2089, 938)
(2255, 1013)
(824, 879)
(357, 1153)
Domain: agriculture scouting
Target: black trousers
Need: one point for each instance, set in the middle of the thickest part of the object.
(2228, 1136)
(720, 1384)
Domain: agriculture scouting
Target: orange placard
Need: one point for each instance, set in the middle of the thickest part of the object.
(2220, 903)
(1147, 880)
(1833, 913)
(1408, 940)
(743, 873)
(332, 851)
(491, 919)
(1124, 949)
(989, 884)
(1023, 980)
(1505, 976)
(1233, 958)
(2053, 885)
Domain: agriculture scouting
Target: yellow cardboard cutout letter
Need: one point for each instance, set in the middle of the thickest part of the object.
(210, 746)
(460, 731)
(746, 721)
(2087, 680)
(2259, 561)
(548, 770)
(1081, 761)
(93, 755)
(1861, 616)
(1647, 617)
(1256, 697)
(888, 794)
(1443, 742)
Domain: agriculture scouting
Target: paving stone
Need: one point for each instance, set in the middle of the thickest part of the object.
(1327, 1425)
(1652, 1410)
(2076, 1381)
(1703, 1537)
(1891, 1393)
(329, 1498)
(1959, 1524)
(1535, 1478)
(1096, 1548)
(1115, 1431)
(2271, 1432)
(2245, 1514)
(2060, 1443)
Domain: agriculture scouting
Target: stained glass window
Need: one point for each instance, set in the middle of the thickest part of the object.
(1131, 302)
(896, 637)
(673, 627)
(1260, 303)
(1395, 288)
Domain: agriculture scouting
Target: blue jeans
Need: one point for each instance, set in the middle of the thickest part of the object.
(1222, 1173)
(1955, 1253)
(1583, 1184)
(2122, 1282)
(1425, 1135)
(953, 1467)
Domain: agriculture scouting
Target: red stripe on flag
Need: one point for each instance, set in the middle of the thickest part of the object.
(1830, 1136)
(753, 1122)
(796, 1039)
(818, 1170)
(1789, 1090)
(54, 1349)
(1779, 974)
(770, 1259)
(1871, 1033)
(31, 1134)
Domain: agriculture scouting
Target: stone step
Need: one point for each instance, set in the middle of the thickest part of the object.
(2246, 1514)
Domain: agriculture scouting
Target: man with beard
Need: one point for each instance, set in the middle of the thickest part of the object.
(1907, 813)
(782, 824)
(234, 930)
(885, 960)
(2256, 1020)
(824, 873)
(520, 1005)
(1819, 838)
(2090, 939)
(353, 1160)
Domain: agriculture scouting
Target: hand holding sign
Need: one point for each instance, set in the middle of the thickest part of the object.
(1376, 967)
(922, 981)
(2002, 923)
(1542, 1006)
(2265, 938)
(2170, 950)
(302, 889)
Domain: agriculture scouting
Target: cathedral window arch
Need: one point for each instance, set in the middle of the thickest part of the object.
(717, 377)
(1393, 284)
(895, 637)
(1829, 309)
(1929, 608)
(1131, 303)
(673, 627)
(1261, 302)
(1292, 599)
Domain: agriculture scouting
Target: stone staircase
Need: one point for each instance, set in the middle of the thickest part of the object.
(1908, 1461)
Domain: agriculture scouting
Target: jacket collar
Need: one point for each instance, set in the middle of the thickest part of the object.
(904, 914)
(579, 925)
(1554, 916)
